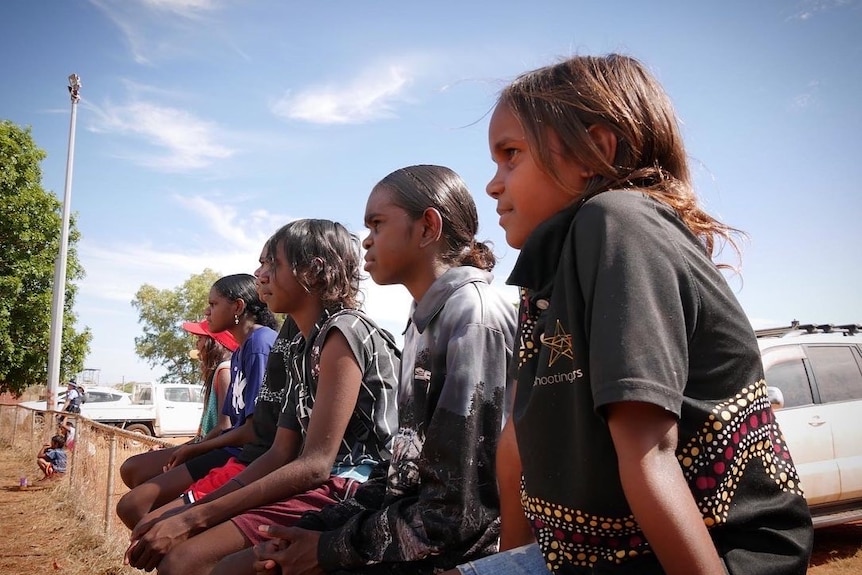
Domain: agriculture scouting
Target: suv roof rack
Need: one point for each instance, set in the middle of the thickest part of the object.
(845, 329)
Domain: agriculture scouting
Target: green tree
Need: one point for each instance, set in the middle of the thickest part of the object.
(162, 312)
(29, 243)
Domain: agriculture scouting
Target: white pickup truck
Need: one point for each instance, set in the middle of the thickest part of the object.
(156, 409)
(162, 410)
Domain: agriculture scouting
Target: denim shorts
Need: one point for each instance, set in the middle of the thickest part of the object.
(526, 560)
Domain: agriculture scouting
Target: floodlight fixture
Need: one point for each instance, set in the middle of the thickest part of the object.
(74, 87)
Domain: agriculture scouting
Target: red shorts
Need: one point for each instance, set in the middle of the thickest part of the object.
(216, 477)
(288, 512)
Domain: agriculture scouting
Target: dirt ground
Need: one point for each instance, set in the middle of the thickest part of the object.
(42, 532)
(42, 535)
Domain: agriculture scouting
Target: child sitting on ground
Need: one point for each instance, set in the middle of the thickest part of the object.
(52, 458)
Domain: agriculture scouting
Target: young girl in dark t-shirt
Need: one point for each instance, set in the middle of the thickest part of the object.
(339, 415)
(645, 442)
(436, 503)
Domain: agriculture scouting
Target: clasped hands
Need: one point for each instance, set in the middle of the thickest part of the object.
(291, 549)
(153, 538)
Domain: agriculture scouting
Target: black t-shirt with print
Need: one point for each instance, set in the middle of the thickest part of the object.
(372, 426)
(270, 398)
(623, 304)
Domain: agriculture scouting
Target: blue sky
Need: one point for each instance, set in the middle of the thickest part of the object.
(206, 124)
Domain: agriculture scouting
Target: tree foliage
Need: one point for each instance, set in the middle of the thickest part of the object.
(30, 243)
(162, 312)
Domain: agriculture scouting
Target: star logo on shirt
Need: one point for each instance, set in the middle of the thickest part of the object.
(560, 344)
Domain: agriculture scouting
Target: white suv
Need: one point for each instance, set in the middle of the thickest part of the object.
(814, 374)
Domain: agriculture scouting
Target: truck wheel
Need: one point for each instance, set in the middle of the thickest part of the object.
(139, 428)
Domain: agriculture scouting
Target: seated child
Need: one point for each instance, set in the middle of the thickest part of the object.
(52, 457)
(67, 430)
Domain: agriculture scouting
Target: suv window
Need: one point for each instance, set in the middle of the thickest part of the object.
(100, 397)
(837, 372)
(178, 394)
(791, 379)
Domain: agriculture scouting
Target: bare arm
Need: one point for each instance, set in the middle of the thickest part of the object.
(221, 383)
(339, 382)
(233, 438)
(515, 530)
(645, 439)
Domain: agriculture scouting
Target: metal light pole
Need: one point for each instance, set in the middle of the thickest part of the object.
(58, 303)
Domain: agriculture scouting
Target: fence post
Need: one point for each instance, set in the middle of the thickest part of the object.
(112, 459)
(71, 453)
(14, 425)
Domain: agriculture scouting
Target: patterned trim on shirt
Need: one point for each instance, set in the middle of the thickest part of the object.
(738, 432)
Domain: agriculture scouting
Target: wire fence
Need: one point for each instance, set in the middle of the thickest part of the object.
(94, 459)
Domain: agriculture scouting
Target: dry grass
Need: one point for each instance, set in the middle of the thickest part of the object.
(58, 527)
(45, 530)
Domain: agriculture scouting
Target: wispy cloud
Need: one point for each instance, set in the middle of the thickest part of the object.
(243, 229)
(146, 29)
(808, 9)
(806, 98)
(186, 142)
(185, 8)
(219, 234)
(371, 96)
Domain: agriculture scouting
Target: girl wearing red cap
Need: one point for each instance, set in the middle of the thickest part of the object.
(213, 351)
(156, 477)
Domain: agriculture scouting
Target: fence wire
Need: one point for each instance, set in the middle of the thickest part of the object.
(94, 459)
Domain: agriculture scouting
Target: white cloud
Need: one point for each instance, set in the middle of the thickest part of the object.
(810, 8)
(222, 237)
(185, 8)
(189, 143)
(371, 96)
(145, 28)
(225, 222)
(806, 98)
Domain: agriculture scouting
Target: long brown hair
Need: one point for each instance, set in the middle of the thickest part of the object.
(212, 354)
(617, 92)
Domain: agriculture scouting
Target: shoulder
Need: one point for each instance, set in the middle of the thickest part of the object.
(627, 217)
(360, 331)
(261, 340)
(478, 305)
(618, 205)
(348, 319)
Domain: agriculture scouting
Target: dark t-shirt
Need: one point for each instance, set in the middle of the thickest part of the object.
(623, 304)
(368, 437)
(436, 504)
(270, 398)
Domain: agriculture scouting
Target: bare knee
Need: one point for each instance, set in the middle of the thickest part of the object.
(172, 565)
(128, 510)
(129, 473)
(239, 563)
(132, 506)
(200, 554)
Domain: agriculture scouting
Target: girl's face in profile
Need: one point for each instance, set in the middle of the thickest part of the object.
(391, 243)
(219, 312)
(263, 275)
(526, 196)
(284, 292)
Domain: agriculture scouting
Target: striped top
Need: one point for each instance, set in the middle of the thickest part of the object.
(368, 437)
